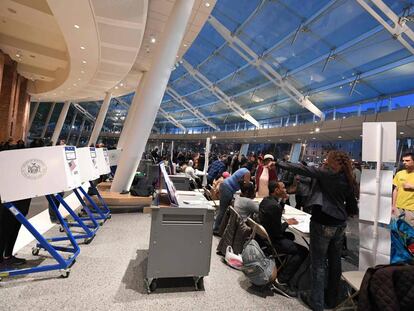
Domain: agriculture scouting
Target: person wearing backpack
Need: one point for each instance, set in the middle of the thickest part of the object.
(270, 215)
(331, 199)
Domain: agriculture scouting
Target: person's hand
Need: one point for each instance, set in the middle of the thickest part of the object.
(394, 211)
(292, 221)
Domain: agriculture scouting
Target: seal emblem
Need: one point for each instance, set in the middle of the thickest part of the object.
(33, 169)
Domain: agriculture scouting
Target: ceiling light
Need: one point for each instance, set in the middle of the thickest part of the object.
(18, 55)
(79, 79)
(257, 99)
(121, 84)
(317, 130)
(116, 87)
(82, 47)
(314, 138)
(76, 26)
(339, 136)
(185, 44)
(280, 139)
(82, 71)
(153, 40)
(401, 133)
(74, 84)
(83, 61)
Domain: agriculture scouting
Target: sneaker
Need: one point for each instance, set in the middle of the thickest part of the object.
(14, 261)
(284, 289)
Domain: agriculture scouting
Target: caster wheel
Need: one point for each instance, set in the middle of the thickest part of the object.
(65, 273)
(153, 286)
(61, 229)
(109, 216)
(35, 251)
(88, 240)
(199, 284)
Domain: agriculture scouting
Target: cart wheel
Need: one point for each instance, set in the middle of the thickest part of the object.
(61, 229)
(109, 217)
(153, 286)
(199, 284)
(65, 273)
(88, 240)
(35, 251)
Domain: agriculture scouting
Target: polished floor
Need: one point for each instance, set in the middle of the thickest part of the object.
(109, 275)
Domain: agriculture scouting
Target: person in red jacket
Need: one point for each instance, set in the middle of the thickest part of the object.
(265, 172)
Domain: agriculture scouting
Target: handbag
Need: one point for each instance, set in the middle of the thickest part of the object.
(402, 237)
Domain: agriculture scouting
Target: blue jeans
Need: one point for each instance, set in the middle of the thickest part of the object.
(226, 195)
(325, 245)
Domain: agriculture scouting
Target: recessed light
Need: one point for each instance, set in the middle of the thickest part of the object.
(317, 130)
(84, 62)
(74, 84)
(121, 84)
(116, 87)
(79, 79)
(18, 55)
(313, 137)
(76, 26)
(343, 117)
(401, 133)
(153, 40)
(82, 71)
(185, 44)
(339, 136)
(360, 135)
(207, 4)
(82, 47)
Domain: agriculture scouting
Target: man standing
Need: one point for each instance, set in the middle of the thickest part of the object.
(216, 169)
(403, 194)
(270, 215)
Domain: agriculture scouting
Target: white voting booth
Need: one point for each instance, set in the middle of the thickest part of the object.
(30, 173)
(114, 156)
(378, 145)
(102, 159)
(88, 164)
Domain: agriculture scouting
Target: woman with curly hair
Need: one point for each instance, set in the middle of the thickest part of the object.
(332, 200)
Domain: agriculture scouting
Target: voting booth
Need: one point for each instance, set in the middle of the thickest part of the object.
(114, 156)
(181, 237)
(29, 173)
(102, 160)
(88, 164)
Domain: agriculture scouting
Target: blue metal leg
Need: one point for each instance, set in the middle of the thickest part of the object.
(62, 263)
(95, 224)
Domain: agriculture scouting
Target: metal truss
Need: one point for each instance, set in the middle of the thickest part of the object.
(200, 78)
(398, 28)
(267, 70)
(84, 112)
(191, 108)
(171, 119)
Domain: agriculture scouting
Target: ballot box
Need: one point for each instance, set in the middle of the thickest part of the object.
(102, 161)
(88, 166)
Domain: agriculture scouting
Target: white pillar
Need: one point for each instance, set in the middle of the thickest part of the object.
(32, 116)
(149, 100)
(80, 132)
(71, 126)
(49, 115)
(172, 151)
(100, 119)
(206, 157)
(130, 115)
(60, 122)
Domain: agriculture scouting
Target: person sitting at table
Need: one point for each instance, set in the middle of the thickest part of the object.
(270, 215)
(244, 203)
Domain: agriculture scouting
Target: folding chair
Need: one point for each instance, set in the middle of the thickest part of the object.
(261, 231)
(354, 280)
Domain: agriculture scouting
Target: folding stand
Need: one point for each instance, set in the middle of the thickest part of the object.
(104, 212)
(63, 265)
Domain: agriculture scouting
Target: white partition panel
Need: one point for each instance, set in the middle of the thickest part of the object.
(103, 161)
(88, 166)
(114, 156)
(28, 173)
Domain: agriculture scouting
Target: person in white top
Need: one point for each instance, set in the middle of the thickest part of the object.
(265, 173)
(190, 173)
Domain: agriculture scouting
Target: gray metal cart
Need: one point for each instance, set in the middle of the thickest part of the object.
(180, 244)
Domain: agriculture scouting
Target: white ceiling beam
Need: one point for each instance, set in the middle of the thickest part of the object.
(264, 68)
(171, 119)
(399, 27)
(84, 112)
(200, 78)
(191, 108)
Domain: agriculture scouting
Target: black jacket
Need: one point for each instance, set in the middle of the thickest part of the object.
(330, 190)
(270, 215)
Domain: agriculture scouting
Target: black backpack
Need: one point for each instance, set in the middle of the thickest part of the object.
(142, 188)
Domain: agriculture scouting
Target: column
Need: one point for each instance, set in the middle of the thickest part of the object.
(100, 119)
(60, 122)
(71, 126)
(32, 116)
(130, 115)
(80, 132)
(49, 115)
(149, 100)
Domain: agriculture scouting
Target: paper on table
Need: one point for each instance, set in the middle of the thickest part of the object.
(303, 222)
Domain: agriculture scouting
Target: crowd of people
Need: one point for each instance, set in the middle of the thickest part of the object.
(329, 192)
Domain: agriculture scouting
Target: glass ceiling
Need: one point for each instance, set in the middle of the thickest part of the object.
(330, 50)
